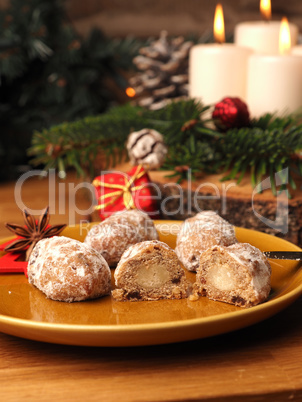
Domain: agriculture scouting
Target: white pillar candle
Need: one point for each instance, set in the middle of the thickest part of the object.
(262, 36)
(274, 84)
(217, 71)
(297, 50)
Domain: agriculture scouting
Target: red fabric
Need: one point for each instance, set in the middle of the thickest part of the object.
(9, 263)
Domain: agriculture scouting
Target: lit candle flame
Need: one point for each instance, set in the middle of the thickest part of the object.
(130, 92)
(265, 9)
(219, 34)
(284, 37)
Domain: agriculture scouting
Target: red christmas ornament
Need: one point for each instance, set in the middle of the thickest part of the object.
(231, 113)
(118, 191)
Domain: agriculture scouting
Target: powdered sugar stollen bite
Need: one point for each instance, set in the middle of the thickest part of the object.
(199, 233)
(115, 234)
(150, 270)
(68, 270)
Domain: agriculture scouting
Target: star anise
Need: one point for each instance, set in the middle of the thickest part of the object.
(32, 232)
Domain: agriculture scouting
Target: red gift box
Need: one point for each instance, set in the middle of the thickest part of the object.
(118, 191)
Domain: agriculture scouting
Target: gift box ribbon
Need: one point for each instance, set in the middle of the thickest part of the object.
(124, 191)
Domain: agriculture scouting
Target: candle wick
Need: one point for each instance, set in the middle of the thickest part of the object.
(265, 18)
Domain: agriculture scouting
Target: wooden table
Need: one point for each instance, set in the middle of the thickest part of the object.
(259, 363)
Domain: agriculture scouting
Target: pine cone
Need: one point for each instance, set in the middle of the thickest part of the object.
(163, 75)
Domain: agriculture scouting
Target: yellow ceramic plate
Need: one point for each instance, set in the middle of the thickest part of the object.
(25, 312)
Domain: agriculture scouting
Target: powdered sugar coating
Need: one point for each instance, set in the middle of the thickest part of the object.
(68, 270)
(256, 262)
(115, 234)
(199, 233)
(140, 220)
(146, 147)
(239, 274)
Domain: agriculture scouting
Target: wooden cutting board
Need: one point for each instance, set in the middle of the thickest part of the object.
(240, 204)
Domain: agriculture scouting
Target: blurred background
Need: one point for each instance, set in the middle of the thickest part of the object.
(64, 60)
(179, 17)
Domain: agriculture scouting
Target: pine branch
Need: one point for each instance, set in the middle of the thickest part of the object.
(78, 144)
(265, 151)
(269, 146)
